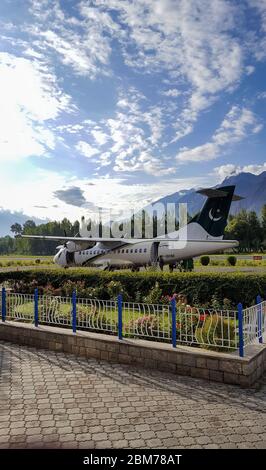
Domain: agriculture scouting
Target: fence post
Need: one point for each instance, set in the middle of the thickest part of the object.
(120, 316)
(259, 302)
(240, 330)
(3, 304)
(36, 313)
(74, 311)
(173, 305)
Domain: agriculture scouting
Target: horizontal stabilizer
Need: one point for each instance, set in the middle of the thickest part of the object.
(211, 193)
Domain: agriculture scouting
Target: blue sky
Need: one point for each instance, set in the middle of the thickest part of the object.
(117, 103)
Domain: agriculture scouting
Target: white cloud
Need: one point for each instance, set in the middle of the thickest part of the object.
(86, 149)
(192, 40)
(173, 92)
(100, 137)
(258, 40)
(136, 131)
(260, 5)
(118, 194)
(81, 42)
(262, 95)
(250, 69)
(30, 98)
(224, 171)
(237, 125)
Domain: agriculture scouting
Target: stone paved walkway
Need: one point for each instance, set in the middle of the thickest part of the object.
(53, 400)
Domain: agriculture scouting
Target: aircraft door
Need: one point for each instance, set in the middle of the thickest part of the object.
(154, 252)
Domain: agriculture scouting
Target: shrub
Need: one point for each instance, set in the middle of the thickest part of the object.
(217, 332)
(154, 296)
(10, 263)
(92, 318)
(143, 327)
(186, 327)
(231, 260)
(114, 288)
(204, 260)
(198, 287)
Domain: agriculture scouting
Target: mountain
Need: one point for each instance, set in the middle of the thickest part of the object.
(251, 187)
(7, 218)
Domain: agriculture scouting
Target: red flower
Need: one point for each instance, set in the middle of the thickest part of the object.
(202, 317)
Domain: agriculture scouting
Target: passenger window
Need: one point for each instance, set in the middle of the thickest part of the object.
(136, 250)
(123, 251)
(131, 251)
(145, 250)
(126, 251)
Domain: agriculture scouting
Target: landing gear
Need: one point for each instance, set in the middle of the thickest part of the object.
(171, 268)
(161, 264)
(135, 269)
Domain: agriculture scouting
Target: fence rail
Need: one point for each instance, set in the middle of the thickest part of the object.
(221, 330)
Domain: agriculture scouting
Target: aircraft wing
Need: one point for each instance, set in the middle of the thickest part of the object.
(84, 240)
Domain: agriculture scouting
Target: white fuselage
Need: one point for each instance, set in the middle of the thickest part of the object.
(145, 253)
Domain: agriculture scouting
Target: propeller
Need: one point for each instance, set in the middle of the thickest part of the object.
(65, 244)
(59, 247)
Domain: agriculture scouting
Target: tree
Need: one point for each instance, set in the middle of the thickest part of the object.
(246, 227)
(263, 225)
(29, 225)
(16, 229)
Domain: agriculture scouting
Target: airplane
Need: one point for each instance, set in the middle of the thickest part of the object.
(203, 234)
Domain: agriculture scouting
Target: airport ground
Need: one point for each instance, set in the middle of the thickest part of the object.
(218, 263)
(56, 400)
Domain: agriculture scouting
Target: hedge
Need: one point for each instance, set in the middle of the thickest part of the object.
(200, 288)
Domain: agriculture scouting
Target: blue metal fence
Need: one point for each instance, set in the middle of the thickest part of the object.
(177, 324)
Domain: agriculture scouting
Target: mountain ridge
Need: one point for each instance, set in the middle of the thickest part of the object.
(251, 187)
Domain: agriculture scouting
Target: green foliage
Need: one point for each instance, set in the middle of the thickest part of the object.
(231, 260)
(218, 332)
(219, 303)
(186, 328)
(205, 260)
(197, 287)
(248, 229)
(114, 288)
(93, 319)
(143, 327)
(154, 296)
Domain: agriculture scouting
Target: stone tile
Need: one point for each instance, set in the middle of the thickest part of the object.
(69, 402)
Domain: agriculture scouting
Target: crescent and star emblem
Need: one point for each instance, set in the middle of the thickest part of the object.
(212, 217)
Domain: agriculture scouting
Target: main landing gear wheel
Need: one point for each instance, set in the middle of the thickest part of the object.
(171, 268)
(135, 269)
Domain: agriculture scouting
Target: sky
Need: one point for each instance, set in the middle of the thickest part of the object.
(116, 103)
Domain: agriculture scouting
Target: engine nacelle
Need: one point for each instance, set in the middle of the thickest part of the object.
(72, 246)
